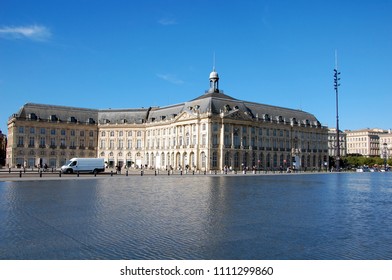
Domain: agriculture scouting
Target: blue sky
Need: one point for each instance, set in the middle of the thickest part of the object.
(131, 54)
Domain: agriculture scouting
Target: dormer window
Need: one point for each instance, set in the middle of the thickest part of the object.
(53, 118)
(72, 119)
(294, 121)
(90, 121)
(33, 116)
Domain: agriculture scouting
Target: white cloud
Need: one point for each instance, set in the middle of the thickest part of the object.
(167, 21)
(32, 32)
(170, 78)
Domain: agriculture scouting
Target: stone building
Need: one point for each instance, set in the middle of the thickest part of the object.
(332, 143)
(210, 132)
(3, 147)
(385, 144)
(45, 134)
(365, 142)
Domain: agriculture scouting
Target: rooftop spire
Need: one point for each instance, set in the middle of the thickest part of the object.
(213, 63)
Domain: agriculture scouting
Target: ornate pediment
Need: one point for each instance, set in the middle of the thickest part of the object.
(184, 116)
(238, 115)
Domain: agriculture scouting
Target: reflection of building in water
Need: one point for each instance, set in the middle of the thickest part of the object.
(207, 133)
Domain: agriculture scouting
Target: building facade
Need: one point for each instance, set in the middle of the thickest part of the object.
(211, 132)
(365, 142)
(386, 144)
(3, 148)
(333, 143)
(46, 134)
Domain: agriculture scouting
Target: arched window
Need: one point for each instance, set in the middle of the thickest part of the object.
(236, 160)
(227, 159)
(203, 159)
(214, 159)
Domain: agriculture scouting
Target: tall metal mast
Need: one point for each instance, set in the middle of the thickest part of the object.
(336, 86)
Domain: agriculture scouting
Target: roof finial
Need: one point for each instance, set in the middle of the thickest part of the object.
(213, 63)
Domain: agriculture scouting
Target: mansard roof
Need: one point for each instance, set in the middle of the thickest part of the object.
(118, 116)
(213, 102)
(217, 102)
(35, 111)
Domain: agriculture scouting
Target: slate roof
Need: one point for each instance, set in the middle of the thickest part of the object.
(57, 113)
(213, 102)
(113, 116)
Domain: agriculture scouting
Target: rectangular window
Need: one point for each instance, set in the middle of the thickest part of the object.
(42, 142)
(215, 139)
(215, 127)
(31, 142)
(20, 141)
(227, 140)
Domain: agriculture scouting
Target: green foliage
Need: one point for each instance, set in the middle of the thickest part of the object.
(356, 161)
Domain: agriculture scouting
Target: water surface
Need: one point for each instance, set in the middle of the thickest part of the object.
(318, 216)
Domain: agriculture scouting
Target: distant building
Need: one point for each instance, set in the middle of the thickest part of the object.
(365, 142)
(3, 147)
(333, 143)
(210, 132)
(386, 144)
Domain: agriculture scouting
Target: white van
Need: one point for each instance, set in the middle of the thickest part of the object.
(89, 165)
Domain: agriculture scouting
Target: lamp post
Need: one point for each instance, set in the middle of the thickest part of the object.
(336, 86)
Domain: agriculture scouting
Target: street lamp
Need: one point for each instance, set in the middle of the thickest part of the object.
(336, 86)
